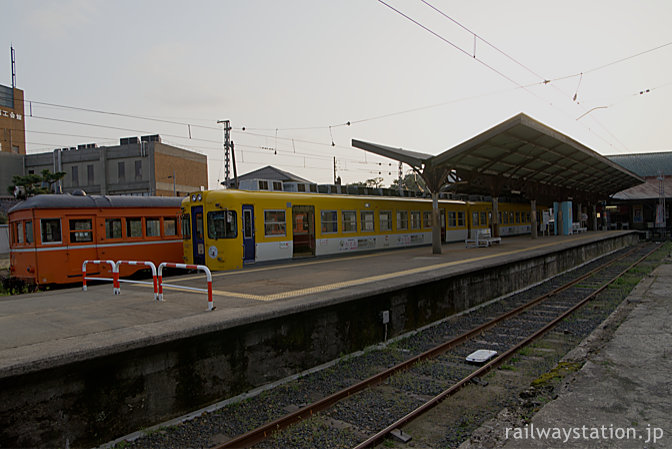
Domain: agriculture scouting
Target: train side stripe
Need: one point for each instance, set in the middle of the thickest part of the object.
(102, 245)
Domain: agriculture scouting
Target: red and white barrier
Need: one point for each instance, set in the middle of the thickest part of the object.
(138, 262)
(114, 279)
(203, 268)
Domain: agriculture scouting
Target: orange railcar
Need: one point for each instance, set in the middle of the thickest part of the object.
(52, 235)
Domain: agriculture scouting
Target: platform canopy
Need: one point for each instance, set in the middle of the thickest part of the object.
(518, 156)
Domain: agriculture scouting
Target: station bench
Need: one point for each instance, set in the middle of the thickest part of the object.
(483, 239)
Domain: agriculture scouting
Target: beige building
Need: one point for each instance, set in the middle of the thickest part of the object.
(12, 128)
(137, 166)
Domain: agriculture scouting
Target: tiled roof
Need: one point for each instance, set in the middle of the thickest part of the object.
(645, 164)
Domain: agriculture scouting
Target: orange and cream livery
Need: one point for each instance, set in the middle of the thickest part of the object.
(52, 235)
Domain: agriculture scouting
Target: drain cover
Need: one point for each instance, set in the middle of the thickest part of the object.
(481, 356)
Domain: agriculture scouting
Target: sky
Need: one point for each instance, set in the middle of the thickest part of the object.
(290, 76)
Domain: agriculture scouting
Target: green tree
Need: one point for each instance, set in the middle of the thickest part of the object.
(411, 181)
(373, 182)
(31, 185)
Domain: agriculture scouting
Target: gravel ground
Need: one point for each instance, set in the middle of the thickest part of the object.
(371, 409)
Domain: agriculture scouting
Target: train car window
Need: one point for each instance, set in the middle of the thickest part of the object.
(152, 227)
(517, 217)
(169, 226)
(427, 219)
(402, 219)
(81, 231)
(329, 221)
(349, 221)
(460, 218)
(222, 224)
(415, 219)
(186, 226)
(368, 221)
(113, 228)
(274, 223)
(505, 215)
(499, 214)
(134, 227)
(474, 218)
(385, 220)
(51, 230)
(452, 219)
(29, 231)
(511, 217)
(19, 233)
(483, 221)
(527, 217)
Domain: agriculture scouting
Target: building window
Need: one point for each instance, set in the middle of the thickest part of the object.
(51, 230)
(222, 224)
(277, 185)
(415, 219)
(263, 185)
(329, 220)
(402, 219)
(75, 176)
(152, 227)
(121, 171)
(138, 170)
(89, 175)
(367, 221)
(274, 223)
(113, 228)
(81, 231)
(349, 221)
(385, 220)
(134, 227)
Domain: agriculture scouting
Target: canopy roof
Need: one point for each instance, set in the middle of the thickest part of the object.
(519, 155)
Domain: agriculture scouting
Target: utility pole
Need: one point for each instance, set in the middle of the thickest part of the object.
(227, 151)
(401, 177)
(334, 170)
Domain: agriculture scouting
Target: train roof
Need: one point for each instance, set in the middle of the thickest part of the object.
(66, 201)
(325, 196)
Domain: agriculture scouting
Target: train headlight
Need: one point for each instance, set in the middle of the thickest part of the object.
(193, 197)
(199, 197)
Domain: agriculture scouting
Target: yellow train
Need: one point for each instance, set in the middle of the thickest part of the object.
(227, 229)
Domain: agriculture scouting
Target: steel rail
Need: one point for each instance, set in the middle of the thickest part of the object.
(262, 432)
(378, 437)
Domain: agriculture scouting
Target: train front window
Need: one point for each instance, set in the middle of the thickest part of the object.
(113, 228)
(81, 231)
(186, 226)
(29, 231)
(222, 224)
(51, 230)
(19, 232)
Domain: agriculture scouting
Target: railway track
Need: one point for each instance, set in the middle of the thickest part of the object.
(359, 401)
(506, 333)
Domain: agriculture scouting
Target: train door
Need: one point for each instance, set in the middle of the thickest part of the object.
(303, 225)
(442, 217)
(81, 244)
(248, 234)
(197, 235)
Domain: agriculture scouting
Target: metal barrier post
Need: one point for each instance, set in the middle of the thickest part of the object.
(115, 275)
(203, 268)
(136, 262)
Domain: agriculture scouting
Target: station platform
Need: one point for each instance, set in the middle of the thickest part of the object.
(622, 396)
(63, 326)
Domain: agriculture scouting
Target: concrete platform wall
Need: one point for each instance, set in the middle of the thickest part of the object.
(90, 402)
